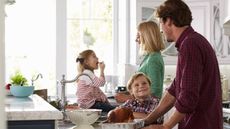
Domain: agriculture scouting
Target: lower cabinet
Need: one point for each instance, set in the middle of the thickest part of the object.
(32, 124)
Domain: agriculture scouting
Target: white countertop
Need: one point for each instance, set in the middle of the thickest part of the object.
(30, 108)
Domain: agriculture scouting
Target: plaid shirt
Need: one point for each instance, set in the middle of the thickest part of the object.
(143, 107)
(88, 91)
(197, 86)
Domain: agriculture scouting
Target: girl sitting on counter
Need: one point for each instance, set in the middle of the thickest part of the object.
(88, 92)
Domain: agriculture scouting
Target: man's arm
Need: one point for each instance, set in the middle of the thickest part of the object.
(165, 105)
(174, 119)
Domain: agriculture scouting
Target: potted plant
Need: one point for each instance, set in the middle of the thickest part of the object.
(18, 80)
(19, 86)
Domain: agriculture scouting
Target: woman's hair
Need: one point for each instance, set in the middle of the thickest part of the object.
(82, 57)
(134, 77)
(177, 10)
(150, 37)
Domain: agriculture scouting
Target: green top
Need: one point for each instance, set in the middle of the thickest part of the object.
(153, 67)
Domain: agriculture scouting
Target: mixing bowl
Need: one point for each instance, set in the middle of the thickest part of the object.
(21, 91)
(83, 118)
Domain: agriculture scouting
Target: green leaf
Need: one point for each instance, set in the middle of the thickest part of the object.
(18, 79)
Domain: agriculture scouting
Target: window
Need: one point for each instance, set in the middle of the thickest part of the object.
(45, 36)
(30, 41)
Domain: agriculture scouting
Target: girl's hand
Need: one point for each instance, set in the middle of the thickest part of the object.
(101, 65)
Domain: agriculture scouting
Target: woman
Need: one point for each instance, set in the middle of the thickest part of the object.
(150, 40)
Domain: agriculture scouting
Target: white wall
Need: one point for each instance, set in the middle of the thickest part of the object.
(2, 66)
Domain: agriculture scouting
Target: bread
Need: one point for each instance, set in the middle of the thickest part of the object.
(120, 115)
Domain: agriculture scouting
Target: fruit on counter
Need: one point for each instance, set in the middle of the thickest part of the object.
(8, 86)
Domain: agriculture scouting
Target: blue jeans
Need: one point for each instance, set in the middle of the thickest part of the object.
(106, 107)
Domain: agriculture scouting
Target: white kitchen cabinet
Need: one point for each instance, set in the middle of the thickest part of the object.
(224, 47)
(224, 10)
(201, 12)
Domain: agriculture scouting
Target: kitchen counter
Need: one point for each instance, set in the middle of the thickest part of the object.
(30, 112)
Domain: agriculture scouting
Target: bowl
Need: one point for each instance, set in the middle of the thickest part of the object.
(83, 118)
(21, 91)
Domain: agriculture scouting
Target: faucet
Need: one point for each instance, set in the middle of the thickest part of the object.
(63, 94)
(32, 80)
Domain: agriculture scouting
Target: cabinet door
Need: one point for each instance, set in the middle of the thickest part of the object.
(201, 13)
(221, 41)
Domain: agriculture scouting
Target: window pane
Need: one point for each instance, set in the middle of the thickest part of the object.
(30, 41)
(97, 9)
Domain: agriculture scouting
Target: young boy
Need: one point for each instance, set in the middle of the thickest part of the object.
(143, 102)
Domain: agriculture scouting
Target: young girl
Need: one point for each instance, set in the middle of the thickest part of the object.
(88, 92)
(144, 102)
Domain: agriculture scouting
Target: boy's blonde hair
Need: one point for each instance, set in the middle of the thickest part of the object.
(150, 37)
(134, 77)
(83, 56)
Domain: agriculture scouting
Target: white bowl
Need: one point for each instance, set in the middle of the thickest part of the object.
(83, 118)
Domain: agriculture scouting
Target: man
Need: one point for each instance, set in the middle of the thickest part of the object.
(196, 90)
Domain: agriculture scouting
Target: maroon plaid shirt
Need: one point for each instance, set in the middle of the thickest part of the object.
(143, 107)
(197, 86)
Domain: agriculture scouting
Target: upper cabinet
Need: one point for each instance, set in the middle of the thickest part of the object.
(206, 20)
(224, 10)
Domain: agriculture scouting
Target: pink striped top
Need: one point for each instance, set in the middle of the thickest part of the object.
(88, 90)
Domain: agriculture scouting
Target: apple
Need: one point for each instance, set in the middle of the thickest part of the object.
(8, 86)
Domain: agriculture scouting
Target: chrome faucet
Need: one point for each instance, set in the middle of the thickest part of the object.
(63, 82)
(32, 80)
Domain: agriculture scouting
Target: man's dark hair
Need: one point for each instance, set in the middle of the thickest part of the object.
(177, 11)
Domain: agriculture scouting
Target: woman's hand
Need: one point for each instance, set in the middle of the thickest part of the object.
(121, 97)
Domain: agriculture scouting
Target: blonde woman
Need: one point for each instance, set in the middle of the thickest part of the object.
(150, 40)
